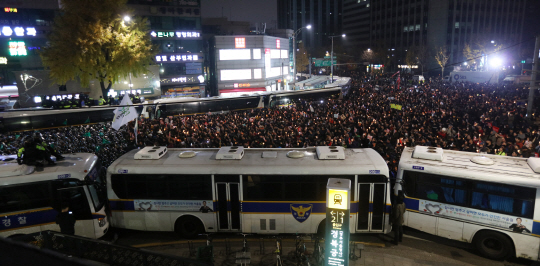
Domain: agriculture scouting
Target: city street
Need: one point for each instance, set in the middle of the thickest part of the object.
(417, 248)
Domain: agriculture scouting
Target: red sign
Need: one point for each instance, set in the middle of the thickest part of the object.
(10, 10)
(267, 51)
(278, 43)
(239, 42)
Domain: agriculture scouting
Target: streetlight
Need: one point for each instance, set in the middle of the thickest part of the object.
(332, 56)
(127, 18)
(294, 49)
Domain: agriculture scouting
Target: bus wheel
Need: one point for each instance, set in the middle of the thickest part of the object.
(493, 245)
(188, 227)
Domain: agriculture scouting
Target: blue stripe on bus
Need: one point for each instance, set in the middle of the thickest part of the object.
(27, 219)
(388, 208)
(281, 207)
(536, 228)
(412, 204)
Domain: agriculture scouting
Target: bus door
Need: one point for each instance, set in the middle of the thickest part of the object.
(228, 206)
(371, 207)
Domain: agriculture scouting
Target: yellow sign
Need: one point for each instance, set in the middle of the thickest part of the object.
(338, 199)
(395, 106)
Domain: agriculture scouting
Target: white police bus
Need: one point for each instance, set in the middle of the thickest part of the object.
(232, 189)
(487, 200)
(30, 197)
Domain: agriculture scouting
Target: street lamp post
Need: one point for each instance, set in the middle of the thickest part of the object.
(332, 57)
(294, 49)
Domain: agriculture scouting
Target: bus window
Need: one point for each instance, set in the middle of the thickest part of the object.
(24, 197)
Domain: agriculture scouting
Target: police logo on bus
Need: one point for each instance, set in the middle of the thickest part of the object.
(301, 212)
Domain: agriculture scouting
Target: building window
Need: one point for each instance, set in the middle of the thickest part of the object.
(417, 27)
(257, 73)
(234, 54)
(256, 53)
(457, 25)
(235, 74)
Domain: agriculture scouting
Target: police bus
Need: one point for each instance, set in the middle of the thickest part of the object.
(487, 200)
(31, 197)
(232, 189)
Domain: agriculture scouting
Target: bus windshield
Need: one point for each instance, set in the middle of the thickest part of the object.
(96, 186)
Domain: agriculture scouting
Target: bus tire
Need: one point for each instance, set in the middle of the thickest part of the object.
(188, 227)
(321, 230)
(493, 245)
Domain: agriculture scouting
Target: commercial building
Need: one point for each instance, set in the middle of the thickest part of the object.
(247, 64)
(325, 17)
(177, 30)
(397, 25)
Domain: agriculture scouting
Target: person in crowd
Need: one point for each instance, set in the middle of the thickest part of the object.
(101, 101)
(397, 213)
(66, 220)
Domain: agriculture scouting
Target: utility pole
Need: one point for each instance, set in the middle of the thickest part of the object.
(533, 86)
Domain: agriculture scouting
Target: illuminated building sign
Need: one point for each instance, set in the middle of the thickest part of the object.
(176, 80)
(338, 199)
(10, 10)
(242, 85)
(239, 42)
(175, 34)
(278, 43)
(175, 58)
(407, 66)
(3, 61)
(267, 50)
(17, 48)
(8, 31)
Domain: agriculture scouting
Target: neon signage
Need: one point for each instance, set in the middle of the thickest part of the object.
(17, 48)
(278, 43)
(239, 42)
(175, 34)
(173, 58)
(10, 10)
(8, 31)
(3, 61)
(242, 85)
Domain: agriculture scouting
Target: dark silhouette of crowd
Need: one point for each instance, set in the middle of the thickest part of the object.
(477, 118)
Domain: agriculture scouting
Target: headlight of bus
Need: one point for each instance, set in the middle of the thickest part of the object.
(102, 221)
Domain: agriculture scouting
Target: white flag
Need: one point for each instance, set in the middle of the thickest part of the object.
(124, 114)
(311, 108)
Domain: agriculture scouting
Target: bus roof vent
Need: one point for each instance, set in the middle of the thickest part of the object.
(230, 153)
(150, 153)
(331, 153)
(187, 154)
(482, 160)
(428, 153)
(534, 163)
(295, 154)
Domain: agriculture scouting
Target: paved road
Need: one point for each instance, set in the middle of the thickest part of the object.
(417, 249)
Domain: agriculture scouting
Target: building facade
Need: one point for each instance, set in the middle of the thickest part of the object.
(247, 64)
(23, 29)
(397, 25)
(325, 17)
(177, 31)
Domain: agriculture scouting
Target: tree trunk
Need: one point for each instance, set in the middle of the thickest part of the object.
(104, 90)
(442, 73)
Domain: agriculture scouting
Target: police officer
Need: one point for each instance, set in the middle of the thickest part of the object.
(66, 220)
(90, 101)
(41, 152)
(66, 103)
(26, 154)
(52, 151)
(137, 98)
(101, 100)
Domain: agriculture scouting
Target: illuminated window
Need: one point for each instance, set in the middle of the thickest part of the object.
(239, 42)
(235, 74)
(256, 53)
(257, 73)
(275, 53)
(284, 54)
(37, 99)
(278, 43)
(234, 54)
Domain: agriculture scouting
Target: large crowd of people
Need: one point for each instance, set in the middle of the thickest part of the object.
(374, 114)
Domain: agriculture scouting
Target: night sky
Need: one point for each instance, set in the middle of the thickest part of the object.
(254, 11)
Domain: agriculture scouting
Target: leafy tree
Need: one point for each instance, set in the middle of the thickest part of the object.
(442, 57)
(302, 58)
(422, 56)
(90, 40)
